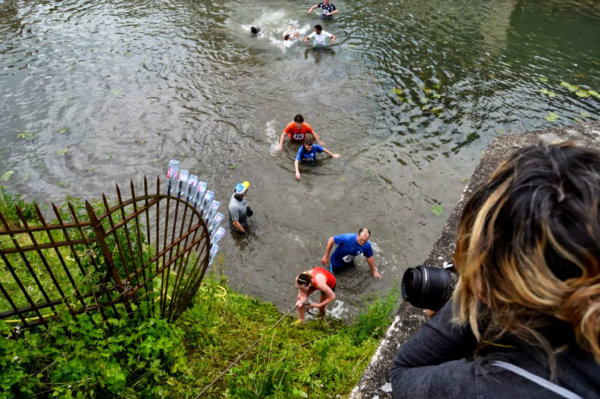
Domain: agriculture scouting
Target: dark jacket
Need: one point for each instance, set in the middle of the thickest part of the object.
(438, 362)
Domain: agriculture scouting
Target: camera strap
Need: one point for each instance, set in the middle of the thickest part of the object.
(557, 389)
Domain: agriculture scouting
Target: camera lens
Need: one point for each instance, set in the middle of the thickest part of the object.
(426, 287)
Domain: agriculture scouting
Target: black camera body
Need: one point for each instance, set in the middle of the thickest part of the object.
(428, 287)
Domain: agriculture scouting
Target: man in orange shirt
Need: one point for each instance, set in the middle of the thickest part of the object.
(296, 131)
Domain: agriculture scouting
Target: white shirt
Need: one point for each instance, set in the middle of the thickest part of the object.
(320, 38)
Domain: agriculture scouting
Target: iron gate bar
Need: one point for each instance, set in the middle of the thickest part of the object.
(162, 280)
(29, 248)
(78, 264)
(131, 253)
(27, 264)
(60, 258)
(12, 304)
(34, 229)
(139, 239)
(92, 255)
(171, 253)
(106, 233)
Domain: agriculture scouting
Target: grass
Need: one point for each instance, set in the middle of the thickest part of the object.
(149, 358)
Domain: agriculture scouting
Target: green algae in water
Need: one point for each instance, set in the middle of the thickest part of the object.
(569, 86)
(27, 136)
(437, 209)
(6, 176)
(552, 117)
(547, 92)
(582, 93)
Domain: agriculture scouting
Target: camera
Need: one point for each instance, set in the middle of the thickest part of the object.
(428, 287)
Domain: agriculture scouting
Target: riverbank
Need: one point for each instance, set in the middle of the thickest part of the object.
(134, 357)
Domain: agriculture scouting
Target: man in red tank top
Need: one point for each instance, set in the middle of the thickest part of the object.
(310, 281)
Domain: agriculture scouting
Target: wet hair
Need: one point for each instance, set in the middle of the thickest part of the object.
(528, 251)
(363, 229)
(287, 36)
(308, 140)
(298, 118)
(319, 28)
(303, 279)
(254, 29)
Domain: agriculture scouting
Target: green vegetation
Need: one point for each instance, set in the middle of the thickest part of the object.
(86, 356)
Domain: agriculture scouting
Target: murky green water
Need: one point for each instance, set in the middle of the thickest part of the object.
(94, 93)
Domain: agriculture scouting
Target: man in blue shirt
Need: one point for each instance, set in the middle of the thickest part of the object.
(349, 246)
(308, 153)
(327, 9)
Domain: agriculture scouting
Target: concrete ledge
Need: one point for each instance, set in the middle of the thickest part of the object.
(375, 381)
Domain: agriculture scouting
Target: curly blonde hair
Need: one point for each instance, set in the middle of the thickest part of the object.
(528, 251)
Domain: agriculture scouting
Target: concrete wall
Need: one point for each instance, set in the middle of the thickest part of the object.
(375, 381)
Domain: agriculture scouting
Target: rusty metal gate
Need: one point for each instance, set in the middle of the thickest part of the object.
(146, 254)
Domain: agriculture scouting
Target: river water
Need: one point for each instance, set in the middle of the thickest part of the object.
(97, 93)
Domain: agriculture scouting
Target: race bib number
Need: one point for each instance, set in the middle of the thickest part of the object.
(298, 136)
(348, 258)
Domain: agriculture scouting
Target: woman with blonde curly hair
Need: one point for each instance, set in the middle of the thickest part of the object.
(524, 319)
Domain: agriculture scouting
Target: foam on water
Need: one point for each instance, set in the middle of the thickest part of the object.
(271, 135)
(274, 25)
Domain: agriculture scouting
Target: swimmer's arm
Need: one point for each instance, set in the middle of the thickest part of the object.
(332, 38)
(325, 258)
(327, 292)
(374, 270)
(281, 140)
(312, 8)
(333, 12)
(296, 166)
(317, 138)
(331, 154)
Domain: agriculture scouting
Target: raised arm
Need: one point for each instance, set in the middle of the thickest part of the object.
(325, 258)
(312, 8)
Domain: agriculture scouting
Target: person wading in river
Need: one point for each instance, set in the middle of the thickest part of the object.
(296, 131)
(239, 211)
(311, 281)
(349, 246)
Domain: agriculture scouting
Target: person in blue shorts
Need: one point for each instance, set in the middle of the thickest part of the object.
(307, 153)
(349, 246)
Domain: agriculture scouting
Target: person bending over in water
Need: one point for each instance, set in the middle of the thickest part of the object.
(308, 153)
(311, 281)
(320, 37)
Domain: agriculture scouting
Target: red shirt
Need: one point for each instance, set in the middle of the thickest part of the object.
(296, 134)
(329, 278)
